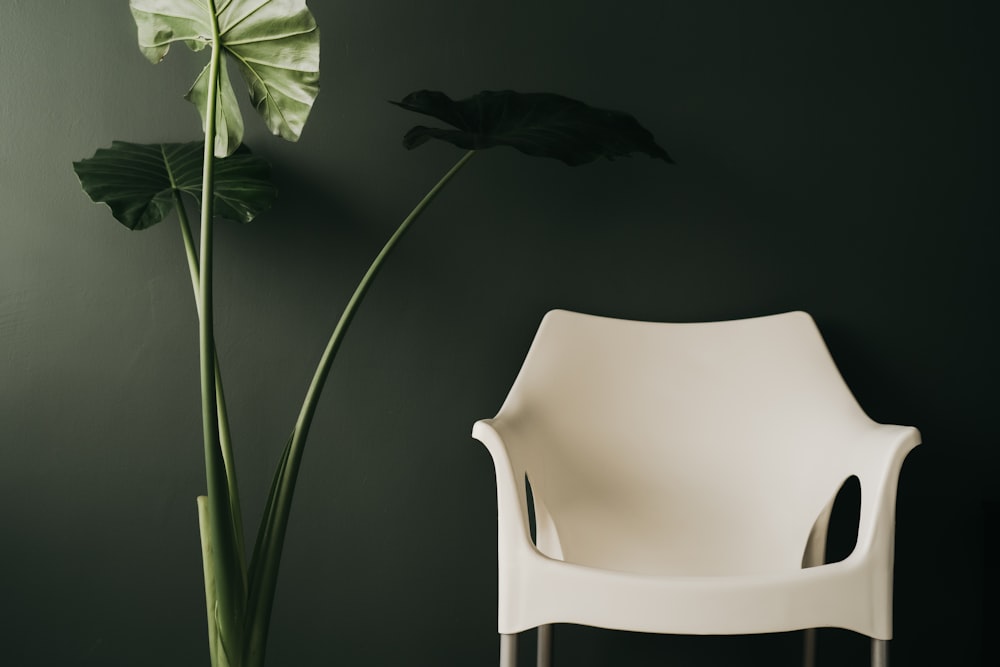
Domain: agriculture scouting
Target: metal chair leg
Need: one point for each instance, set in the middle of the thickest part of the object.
(880, 653)
(508, 650)
(809, 648)
(544, 646)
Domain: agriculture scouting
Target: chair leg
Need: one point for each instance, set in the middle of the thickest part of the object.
(809, 648)
(544, 646)
(880, 653)
(508, 650)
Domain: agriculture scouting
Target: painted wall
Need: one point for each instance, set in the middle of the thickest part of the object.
(837, 157)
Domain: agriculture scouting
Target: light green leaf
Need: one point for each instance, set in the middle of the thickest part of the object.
(274, 43)
(228, 119)
(138, 181)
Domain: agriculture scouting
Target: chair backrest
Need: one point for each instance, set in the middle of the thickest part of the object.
(691, 449)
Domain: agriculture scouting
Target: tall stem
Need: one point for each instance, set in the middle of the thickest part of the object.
(225, 437)
(271, 534)
(230, 591)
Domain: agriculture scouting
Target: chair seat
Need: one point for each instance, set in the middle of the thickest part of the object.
(557, 592)
(854, 594)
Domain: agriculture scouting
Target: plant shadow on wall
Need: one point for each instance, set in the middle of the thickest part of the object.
(275, 48)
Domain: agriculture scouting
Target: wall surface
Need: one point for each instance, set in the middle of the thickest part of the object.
(837, 157)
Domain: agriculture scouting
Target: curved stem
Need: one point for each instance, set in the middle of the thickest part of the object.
(323, 370)
(271, 534)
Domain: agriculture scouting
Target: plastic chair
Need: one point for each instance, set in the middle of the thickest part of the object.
(682, 477)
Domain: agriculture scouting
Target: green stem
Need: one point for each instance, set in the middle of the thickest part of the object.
(230, 592)
(225, 438)
(323, 370)
(271, 535)
(208, 566)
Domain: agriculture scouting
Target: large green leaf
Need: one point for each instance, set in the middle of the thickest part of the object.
(274, 43)
(539, 124)
(138, 181)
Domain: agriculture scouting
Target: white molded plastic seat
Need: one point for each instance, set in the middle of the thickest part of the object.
(682, 477)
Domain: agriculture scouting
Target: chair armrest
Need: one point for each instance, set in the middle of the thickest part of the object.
(514, 528)
(877, 459)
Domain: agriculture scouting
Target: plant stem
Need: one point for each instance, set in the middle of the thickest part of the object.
(323, 370)
(230, 592)
(225, 438)
(208, 565)
(274, 523)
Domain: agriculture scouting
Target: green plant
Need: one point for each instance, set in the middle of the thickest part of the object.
(275, 46)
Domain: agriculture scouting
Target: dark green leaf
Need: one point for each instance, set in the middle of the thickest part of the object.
(138, 181)
(539, 124)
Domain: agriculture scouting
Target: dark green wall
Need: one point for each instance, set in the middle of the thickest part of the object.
(833, 156)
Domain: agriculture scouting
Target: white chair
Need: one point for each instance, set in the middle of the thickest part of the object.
(682, 478)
